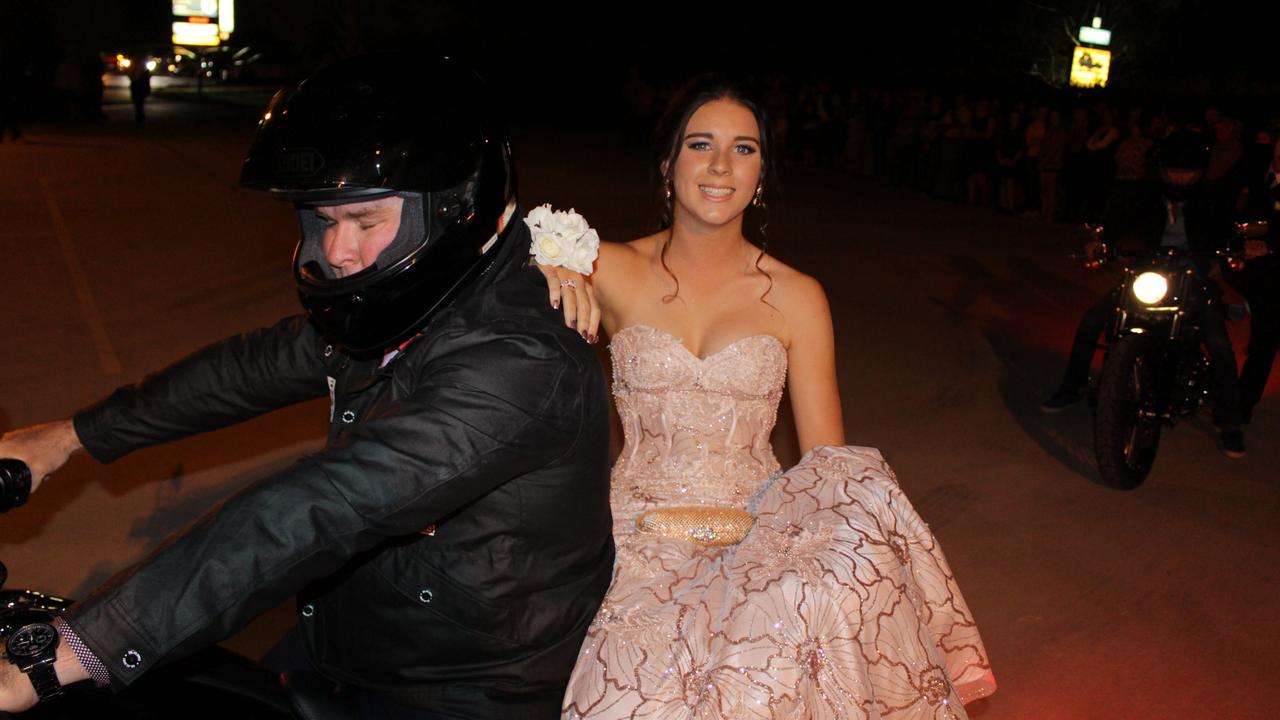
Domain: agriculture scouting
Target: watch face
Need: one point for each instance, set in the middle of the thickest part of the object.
(31, 640)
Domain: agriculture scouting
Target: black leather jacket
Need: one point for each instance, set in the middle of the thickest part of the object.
(449, 546)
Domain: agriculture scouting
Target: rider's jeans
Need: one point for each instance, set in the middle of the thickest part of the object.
(1213, 333)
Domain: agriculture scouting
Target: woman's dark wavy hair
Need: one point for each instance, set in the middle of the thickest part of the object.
(669, 140)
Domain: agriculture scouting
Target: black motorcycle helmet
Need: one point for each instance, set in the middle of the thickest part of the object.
(1181, 160)
(372, 127)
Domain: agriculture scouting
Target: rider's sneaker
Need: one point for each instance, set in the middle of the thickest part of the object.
(1063, 398)
(1232, 444)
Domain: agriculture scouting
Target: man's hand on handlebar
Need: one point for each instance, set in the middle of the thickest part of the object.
(44, 448)
(1095, 250)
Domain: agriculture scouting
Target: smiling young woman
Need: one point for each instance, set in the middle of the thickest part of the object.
(718, 171)
(741, 590)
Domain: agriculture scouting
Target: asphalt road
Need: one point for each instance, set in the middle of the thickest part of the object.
(126, 247)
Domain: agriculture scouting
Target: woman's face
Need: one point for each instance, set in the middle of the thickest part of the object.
(718, 167)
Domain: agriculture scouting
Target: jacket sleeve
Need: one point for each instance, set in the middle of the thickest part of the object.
(496, 408)
(222, 384)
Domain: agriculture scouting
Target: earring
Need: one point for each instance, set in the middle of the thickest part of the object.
(668, 186)
(758, 201)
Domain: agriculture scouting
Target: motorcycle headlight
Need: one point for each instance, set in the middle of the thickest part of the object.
(1150, 287)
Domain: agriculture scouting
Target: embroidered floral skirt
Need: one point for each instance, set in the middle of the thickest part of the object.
(838, 604)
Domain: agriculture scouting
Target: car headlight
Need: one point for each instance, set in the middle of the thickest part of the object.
(1150, 287)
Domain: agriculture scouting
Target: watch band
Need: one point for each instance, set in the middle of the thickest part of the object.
(45, 680)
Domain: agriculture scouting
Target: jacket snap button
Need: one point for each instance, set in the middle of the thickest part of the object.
(348, 416)
(308, 610)
(132, 659)
(328, 350)
(425, 596)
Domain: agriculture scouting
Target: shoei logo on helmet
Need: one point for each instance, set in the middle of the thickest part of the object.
(300, 162)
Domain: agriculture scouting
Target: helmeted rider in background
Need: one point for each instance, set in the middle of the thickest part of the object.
(1175, 213)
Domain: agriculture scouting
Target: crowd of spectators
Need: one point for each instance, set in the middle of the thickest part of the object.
(1060, 157)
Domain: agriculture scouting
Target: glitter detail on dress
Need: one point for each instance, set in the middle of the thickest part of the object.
(838, 603)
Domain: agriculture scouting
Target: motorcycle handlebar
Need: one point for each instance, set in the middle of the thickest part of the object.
(1217, 252)
(15, 484)
(224, 684)
(1109, 253)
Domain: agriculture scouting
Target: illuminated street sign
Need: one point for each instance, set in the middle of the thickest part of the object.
(203, 22)
(189, 33)
(1090, 67)
(1095, 36)
(195, 8)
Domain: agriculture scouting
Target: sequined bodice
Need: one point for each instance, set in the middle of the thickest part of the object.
(696, 430)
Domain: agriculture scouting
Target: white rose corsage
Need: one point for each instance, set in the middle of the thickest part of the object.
(562, 239)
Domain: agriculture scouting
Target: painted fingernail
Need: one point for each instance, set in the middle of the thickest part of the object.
(592, 339)
(555, 304)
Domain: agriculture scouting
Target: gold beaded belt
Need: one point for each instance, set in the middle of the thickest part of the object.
(696, 524)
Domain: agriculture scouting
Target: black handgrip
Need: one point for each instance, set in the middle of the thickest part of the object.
(15, 484)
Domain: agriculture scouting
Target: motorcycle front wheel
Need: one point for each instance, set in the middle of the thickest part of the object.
(1125, 437)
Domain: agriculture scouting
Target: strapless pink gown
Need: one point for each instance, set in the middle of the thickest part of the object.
(838, 604)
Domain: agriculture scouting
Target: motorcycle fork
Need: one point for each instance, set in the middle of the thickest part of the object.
(1160, 368)
(1162, 380)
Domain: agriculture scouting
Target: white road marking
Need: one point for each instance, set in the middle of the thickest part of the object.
(97, 329)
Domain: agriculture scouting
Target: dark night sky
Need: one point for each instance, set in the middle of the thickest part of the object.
(994, 43)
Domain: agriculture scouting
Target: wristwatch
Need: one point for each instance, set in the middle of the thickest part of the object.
(33, 648)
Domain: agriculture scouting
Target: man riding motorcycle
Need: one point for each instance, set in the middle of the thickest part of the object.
(428, 545)
(1175, 213)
